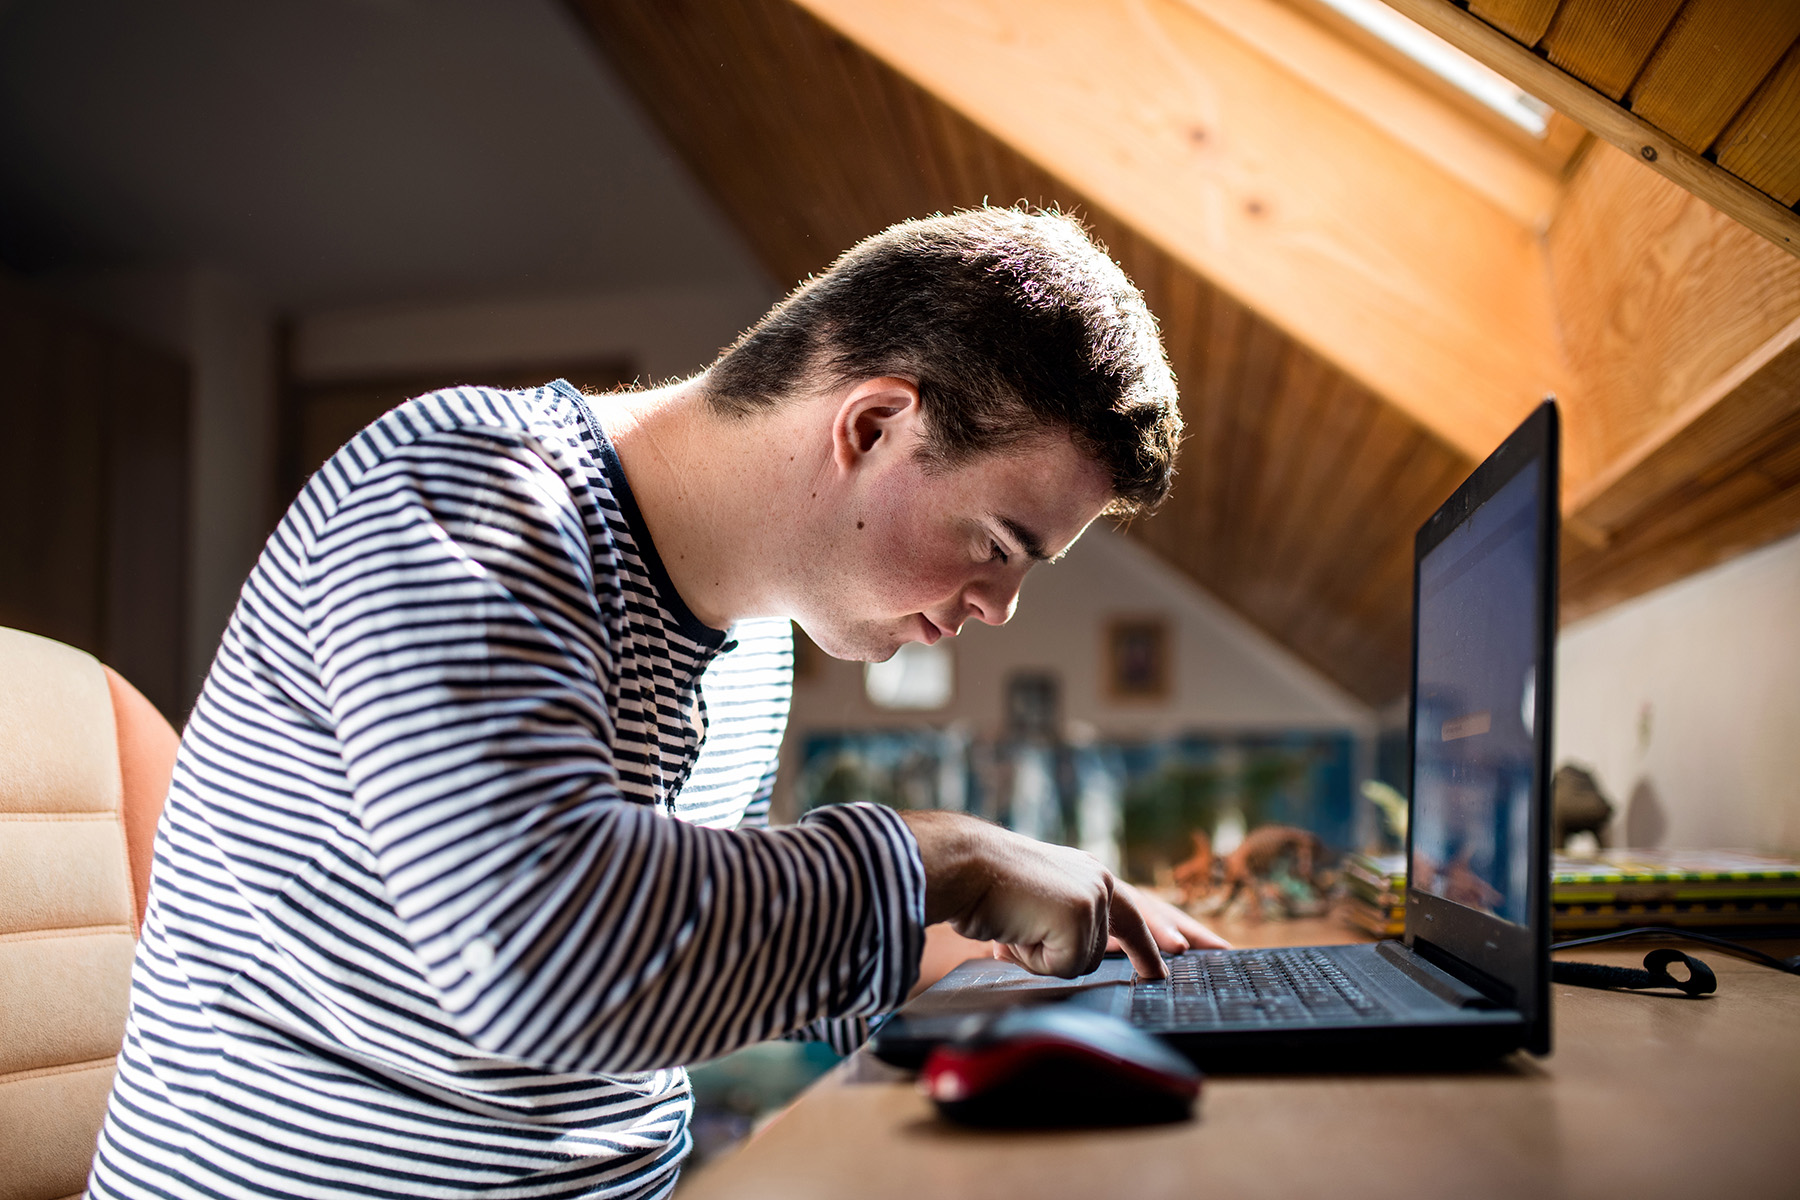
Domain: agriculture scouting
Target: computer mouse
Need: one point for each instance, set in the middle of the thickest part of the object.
(1055, 1065)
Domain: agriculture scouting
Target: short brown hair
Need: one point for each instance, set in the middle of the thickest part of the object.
(1013, 323)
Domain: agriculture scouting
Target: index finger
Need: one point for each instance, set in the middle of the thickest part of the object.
(1128, 925)
(1198, 934)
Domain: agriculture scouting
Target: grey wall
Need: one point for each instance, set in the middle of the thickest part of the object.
(226, 334)
(664, 331)
(410, 183)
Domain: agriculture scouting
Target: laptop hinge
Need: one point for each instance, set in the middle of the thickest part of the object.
(1433, 978)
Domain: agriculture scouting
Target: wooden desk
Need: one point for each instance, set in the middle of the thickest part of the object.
(1645, 1096)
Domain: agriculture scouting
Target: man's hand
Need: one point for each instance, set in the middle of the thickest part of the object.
(1051, 909)
(1173, 929)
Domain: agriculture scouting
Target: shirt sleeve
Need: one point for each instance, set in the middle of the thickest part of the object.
(454, 614)
(842, 1034)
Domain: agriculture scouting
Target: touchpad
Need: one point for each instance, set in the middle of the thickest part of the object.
(986, 984)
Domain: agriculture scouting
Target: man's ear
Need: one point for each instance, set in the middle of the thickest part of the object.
(873, 417)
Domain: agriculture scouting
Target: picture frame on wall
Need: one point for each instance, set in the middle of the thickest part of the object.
(1139, 655)
(1033, 705)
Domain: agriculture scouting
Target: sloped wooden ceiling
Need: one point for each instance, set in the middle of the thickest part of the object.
(1356, 285)
(1706, 91)
(1682, 335)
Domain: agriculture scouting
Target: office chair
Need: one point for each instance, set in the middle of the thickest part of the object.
(85, 762)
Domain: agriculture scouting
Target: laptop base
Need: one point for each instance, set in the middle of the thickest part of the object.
(1428, 1019)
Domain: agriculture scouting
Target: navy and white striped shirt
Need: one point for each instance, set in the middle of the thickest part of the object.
(446, 889)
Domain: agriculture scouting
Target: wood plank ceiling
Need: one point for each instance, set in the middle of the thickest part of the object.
(1706, 91)
(1722, 77)
(1355, 284)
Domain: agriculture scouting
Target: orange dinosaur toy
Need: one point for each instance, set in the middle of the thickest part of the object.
(1250, 867)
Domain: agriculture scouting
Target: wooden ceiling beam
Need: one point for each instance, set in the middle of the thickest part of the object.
(1611, 121)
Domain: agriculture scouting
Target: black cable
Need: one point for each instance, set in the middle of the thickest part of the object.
(1789, 965)
(1700, 980)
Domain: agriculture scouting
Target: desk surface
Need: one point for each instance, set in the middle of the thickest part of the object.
(1645, 1096)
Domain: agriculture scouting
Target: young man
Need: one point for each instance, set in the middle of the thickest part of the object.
(447, 888)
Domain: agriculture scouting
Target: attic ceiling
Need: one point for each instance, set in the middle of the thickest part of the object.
(1363, 286)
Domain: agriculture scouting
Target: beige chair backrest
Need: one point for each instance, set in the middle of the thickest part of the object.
(68, 906)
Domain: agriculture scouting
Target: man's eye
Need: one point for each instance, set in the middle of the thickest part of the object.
(999, 552)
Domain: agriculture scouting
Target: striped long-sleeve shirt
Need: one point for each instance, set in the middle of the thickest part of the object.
(447, 888)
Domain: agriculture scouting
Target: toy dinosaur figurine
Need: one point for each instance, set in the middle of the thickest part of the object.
(1195, 876)
(1274, 870)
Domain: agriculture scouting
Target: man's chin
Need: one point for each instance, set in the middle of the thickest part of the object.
(866, 646)
(870, 654)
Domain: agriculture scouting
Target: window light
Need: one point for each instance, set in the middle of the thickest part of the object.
(917, 677)
(1440, 57)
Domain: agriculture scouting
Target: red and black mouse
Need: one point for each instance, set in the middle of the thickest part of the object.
(1058, 1065)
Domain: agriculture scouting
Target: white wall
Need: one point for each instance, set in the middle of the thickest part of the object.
(663, 331)
(1227, 675)
(1686, 703)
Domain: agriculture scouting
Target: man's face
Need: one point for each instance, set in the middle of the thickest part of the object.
(917, 552)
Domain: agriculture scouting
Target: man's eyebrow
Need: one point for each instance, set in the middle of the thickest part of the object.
(1031, 543)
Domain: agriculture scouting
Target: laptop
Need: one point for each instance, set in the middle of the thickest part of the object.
(1470, 979)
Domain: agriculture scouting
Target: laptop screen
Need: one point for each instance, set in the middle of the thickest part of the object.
(1474, 753)
(1484, 626)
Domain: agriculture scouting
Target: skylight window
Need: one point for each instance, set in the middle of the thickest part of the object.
(1446, 61)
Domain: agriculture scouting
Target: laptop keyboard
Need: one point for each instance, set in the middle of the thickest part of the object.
(1297, 986)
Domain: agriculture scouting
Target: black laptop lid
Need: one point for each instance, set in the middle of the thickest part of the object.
(1484, 628)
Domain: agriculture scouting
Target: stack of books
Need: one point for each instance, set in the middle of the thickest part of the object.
(1675, 887)
(1375, 893)
(1618, 889)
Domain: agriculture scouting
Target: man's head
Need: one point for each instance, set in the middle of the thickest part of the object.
(1013, 325)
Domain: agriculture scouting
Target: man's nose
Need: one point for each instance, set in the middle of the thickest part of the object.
(993, 601)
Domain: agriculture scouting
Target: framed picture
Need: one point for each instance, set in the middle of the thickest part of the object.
(1033, 705)
(1138, 656)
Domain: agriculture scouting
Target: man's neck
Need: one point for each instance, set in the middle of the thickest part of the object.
(720, 494)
